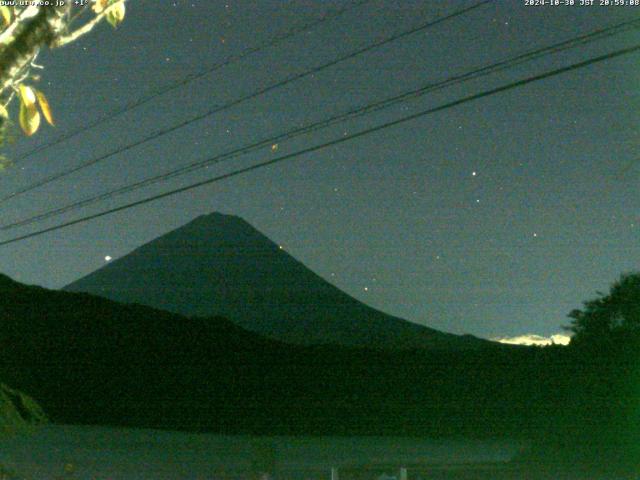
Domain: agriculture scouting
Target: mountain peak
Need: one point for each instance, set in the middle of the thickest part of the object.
(218, 225)
(217, 217)
(219, 264)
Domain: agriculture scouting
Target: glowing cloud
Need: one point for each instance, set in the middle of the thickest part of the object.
(531, 339)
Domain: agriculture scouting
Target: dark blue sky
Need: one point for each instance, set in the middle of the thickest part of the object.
(398, 219)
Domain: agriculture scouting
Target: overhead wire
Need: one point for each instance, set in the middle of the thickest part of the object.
(336, 141)
(518, 59)
(233, 103)
(187, 79)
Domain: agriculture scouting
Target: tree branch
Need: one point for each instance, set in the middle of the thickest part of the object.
(86, 28)
(7, 33)
(31, 32)
(20, 42)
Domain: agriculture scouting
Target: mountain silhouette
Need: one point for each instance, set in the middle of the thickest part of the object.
(89, 360)
(220, 265)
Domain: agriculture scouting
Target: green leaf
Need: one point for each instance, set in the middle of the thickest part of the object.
(5, 12)
(29, 117)
(115, 14)
(45, 107)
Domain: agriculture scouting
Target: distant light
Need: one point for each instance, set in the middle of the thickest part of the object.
(280, 247)
(532, 339)
(107, 258)
(474, 173)
(535, 234)
(274, 147)
(366, 289)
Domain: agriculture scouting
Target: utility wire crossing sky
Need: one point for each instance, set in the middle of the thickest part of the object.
(273, 141)
(496, 217)
(337, 141)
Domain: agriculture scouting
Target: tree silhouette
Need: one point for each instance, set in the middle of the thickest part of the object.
(601, 420)
(612, 317)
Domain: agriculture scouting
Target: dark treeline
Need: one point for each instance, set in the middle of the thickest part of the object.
(597, 424)
(88, 360)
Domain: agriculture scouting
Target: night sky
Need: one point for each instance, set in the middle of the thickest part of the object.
(494, 218)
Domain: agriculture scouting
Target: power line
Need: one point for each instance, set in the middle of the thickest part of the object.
(240, 100)
(339, 140)
(354, 113)
(193, 77)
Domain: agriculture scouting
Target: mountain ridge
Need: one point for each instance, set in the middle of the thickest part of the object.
(90, 360)
(219, 264)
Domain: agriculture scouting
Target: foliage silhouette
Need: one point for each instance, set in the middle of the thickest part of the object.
(597, 426)
(610, 318)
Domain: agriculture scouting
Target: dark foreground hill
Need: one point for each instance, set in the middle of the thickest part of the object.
(90, 360)
(93, 361)
(18, 411)
(220, 265)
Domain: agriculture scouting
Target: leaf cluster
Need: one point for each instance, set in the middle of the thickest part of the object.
(610, 316)
(114, 9)
(29, 117)
(32, 102)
